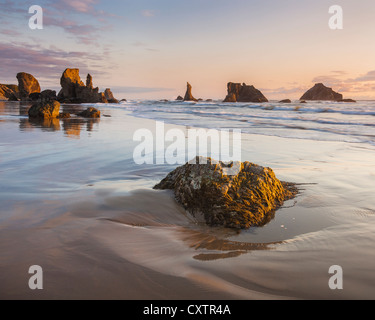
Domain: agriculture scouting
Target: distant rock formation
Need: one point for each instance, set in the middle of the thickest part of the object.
(109, 96)
(346, 100)
(73, 89)
(89, 83)
(285, 101)
(45, 110)
(27, 84)
(246, 199)
(243, 93)
(188, 94)
(321, 92)
(179, 98)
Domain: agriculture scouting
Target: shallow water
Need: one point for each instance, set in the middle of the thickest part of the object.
(74, 202)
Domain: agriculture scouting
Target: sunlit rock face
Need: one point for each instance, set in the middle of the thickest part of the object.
(248, 198)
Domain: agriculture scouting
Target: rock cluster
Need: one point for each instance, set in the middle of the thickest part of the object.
(73, 90)
(243, 93)
(249, 198)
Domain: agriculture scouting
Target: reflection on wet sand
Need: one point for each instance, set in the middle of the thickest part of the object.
(220, 248)
(73, 126)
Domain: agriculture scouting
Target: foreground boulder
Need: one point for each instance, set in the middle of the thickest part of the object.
(188, 94)
(90, 113)
(243, 93)
(73, 90)
(27, 84)
(47, 110)
(248, 198)
(321, 92)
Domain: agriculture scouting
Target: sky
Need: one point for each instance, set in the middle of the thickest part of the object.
(149, 49)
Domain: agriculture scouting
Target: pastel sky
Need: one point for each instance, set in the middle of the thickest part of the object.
(151, 48)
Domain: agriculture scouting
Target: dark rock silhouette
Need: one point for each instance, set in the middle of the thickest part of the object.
(321, 92)
(285, 101)
(27, 84)
(346, 100)
(243, 93)
(188, 94)
(89, 83)
(179, 98)
(48, 95)
(246, 199)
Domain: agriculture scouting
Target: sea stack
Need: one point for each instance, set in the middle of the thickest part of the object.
(73, 90)
(188, 94)
(27, 84)
(243, 93)
(247, 198)
(321, 92)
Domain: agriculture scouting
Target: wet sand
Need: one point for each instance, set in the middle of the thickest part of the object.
(74, 202)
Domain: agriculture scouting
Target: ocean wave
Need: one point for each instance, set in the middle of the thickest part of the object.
(350, 122)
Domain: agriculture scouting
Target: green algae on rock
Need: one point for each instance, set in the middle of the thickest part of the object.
(46, 110)
(248, 198)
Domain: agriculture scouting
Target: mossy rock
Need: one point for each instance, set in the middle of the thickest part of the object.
(248, 198)
(45, 110)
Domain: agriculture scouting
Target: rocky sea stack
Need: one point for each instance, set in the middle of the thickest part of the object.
(243, 93)
(27, 84)
(248, 198)
(188, 94)
(73, 90)
(320, 92)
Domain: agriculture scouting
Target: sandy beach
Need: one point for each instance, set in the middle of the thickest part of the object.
(74, 202)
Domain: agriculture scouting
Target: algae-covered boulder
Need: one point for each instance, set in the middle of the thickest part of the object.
(248, 198)
(46, 110)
